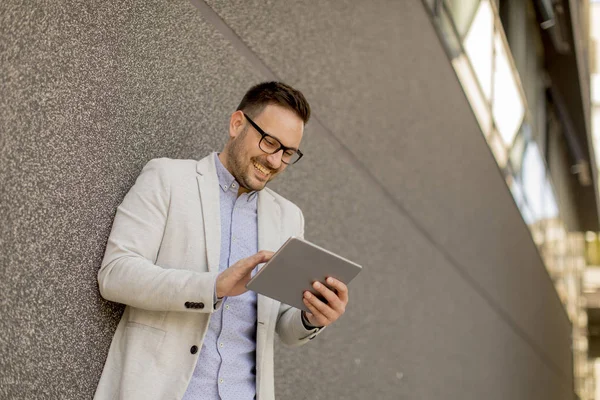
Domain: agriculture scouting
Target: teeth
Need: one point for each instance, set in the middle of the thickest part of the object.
(261, 168)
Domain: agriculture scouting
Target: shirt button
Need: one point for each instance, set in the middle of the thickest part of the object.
(233, 185)
(227, 307)
(221, 380)
(221, 345)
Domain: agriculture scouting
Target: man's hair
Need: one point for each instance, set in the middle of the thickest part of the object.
(274, 93)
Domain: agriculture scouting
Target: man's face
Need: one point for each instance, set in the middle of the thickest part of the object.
(251, 166)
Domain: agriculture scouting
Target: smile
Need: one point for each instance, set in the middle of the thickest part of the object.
(261, 168)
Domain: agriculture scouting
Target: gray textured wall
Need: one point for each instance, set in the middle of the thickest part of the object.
(454, 301)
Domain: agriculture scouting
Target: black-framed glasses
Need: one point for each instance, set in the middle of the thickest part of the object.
(272, 145)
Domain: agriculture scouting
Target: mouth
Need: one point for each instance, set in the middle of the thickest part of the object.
(263, 172)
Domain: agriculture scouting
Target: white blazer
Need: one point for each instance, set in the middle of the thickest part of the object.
(162, 260)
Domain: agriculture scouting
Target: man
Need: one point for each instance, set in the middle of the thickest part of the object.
(185, 241)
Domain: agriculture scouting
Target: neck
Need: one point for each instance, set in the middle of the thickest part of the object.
(223, 158)
(225, 161)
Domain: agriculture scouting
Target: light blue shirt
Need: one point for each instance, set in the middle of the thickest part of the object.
(226, 367)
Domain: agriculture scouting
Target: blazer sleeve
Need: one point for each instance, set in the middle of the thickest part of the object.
(289, 325)
(129, 273)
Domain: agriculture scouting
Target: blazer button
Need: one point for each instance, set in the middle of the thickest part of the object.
(187, 304)
(194, 349)
(200, 305)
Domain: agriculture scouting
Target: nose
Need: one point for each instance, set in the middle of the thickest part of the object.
(275, 159)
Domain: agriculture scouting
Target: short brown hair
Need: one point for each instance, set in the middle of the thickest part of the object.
(274, 93)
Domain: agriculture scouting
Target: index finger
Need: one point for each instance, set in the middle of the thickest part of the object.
(258, 258)
(340, 287)
(265, 254)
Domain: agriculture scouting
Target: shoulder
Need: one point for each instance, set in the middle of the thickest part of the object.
(168, 169)
(171, 164)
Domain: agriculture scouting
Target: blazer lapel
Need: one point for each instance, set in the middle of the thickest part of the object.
(269, 238)
(208, 186)
(269, 222)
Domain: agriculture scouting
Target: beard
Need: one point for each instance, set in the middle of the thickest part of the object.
(241, 167)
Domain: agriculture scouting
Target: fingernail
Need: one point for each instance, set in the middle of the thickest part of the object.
(307, 295)
(317, 285)
(329, 280)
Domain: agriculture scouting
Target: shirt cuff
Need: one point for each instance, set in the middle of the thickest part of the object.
(216, 301)
(306, 323)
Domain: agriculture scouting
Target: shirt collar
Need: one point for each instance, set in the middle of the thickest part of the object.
(226, 180)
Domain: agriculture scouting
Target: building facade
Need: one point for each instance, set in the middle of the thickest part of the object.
(449, 153)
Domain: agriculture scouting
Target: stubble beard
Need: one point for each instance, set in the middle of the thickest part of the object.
(239, 169)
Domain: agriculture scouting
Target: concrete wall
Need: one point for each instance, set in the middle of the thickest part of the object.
(454, 301)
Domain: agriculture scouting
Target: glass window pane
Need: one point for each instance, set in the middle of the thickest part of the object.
(533, 176)
(498, 149)
(473, 92)
(538, 191)
(516, 188)
(550, 206)
(507, 105)
(517, 150)
(478, 45)
(462, 12)
(448, 35)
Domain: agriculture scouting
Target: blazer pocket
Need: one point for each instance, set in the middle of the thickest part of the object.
(143, 338)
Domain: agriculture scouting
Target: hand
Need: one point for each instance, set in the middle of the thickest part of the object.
(232, 281)
(322, 314)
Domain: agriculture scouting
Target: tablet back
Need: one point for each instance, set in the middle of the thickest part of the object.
(293, 269)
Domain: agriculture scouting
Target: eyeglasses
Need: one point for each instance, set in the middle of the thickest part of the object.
(272, 145)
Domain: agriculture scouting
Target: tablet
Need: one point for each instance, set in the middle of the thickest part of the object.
(293, 269)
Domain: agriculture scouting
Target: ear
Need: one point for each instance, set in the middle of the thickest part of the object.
(236, 123)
